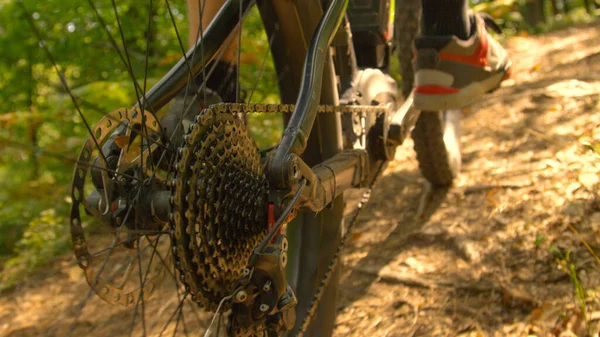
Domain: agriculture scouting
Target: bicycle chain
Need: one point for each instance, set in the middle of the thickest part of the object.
(289, 108)
(207, 287)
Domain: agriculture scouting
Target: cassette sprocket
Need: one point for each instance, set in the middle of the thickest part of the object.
(219, 197)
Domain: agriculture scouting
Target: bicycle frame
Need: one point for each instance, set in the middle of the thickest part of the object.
(325, 169)
(328, 179)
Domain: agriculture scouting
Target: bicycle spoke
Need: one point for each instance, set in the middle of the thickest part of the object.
(176, 312)
(179, 40)
(177, 286)
(130, 69)
(184, 326)
(262, 64)
(199, 35)
(105, 250)
(191, 77)
(141, 294)
(239, 56)
(101, 269)
(225, 46)
(59, 156)
(206, 76)
(125, 61)
(61, 76)
(179, 318)
(148, 42)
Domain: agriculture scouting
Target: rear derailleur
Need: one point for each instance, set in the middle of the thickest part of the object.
(263, 303)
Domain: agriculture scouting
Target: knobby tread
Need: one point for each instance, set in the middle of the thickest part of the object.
(432, 154)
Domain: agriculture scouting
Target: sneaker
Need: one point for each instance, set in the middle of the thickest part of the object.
(450, 73)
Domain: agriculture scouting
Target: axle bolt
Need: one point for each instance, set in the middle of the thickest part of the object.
(267, 287)
(241, 296)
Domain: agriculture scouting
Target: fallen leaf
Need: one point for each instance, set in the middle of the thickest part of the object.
(356, 236)
(489, 196)
(535, 68)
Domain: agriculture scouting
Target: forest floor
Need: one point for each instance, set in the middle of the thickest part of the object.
(499, 254)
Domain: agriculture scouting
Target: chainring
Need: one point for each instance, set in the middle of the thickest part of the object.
(219, 198)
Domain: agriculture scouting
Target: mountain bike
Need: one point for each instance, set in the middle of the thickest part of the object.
(254, 232)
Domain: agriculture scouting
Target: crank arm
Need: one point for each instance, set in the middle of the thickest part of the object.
(403, 121)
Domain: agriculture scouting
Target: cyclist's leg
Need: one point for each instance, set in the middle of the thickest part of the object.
(221, 84)
(223, 78)
(446, 17)
(457, 59)
(209, 10)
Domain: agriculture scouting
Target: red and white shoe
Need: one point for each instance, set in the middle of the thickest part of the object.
(451, 73)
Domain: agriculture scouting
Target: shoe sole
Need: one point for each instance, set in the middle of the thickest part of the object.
(458, 100)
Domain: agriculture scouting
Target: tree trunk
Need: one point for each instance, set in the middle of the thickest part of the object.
(555, 8)
(534, 12)
(567, 6)
(34, 124)
(588, 6)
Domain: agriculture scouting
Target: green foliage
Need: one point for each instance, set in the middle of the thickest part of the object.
(45, 237)
(40, 128)
(258, 80)
(536, 16)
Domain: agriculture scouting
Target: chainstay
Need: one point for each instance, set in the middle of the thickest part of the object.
(314, 305)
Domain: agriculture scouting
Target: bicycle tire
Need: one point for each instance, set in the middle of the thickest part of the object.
(436, 142)
(436, 134)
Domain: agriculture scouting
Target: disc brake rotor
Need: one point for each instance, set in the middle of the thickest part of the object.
(219, 197)
(125, 251)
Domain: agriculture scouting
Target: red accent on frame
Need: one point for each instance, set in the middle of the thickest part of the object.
(271, 221)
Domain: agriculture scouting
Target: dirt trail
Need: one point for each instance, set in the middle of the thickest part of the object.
(479, 259)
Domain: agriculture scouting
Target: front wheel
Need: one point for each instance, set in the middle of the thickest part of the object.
(437, 133)
(437, 144)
